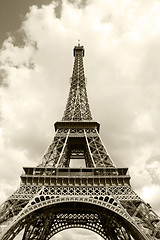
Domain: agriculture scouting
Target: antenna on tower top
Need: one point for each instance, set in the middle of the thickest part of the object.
(78, 42)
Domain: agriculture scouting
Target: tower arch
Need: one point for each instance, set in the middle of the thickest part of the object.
(58, 214)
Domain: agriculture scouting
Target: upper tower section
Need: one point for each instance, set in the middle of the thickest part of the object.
(77, 108)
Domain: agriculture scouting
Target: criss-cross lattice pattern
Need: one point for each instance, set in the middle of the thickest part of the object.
(98, 152)
(141, 212)
(54, 196)
(54, 223)
(95, 153)
(55, 149)
(30, 218)
(77, 107)
(121, 192)
(10, 209)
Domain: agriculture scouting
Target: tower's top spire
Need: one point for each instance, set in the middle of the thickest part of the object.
(78, 49)
(77, 108)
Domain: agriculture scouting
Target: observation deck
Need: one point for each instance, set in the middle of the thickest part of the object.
(75, 176)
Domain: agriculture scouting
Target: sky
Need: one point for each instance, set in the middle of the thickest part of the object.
(122, 44)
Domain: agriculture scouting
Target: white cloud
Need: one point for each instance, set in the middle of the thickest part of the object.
(122, 45)
(71, 234)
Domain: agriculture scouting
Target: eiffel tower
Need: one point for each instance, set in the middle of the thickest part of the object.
(56, 195)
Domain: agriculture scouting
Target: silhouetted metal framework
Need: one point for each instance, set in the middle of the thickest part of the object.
(55, 196)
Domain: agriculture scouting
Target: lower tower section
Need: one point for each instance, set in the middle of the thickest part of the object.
(54, 196)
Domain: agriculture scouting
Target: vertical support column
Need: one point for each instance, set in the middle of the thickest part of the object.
(62, 152)
(90, 153)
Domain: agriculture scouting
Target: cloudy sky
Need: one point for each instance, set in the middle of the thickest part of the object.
(122, 58)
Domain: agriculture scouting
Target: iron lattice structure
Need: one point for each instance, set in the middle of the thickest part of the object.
(55, 196)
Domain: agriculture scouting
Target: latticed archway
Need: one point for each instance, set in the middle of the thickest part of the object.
(48, 217)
